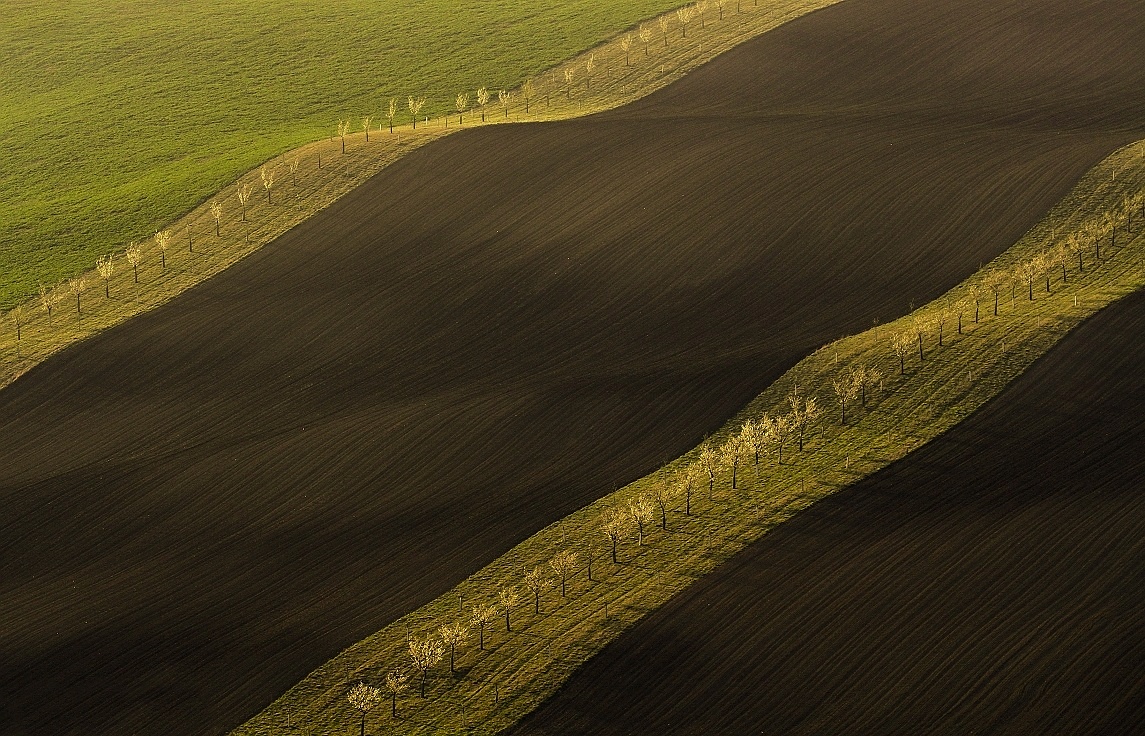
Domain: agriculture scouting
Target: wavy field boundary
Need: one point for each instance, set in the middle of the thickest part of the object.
(308, 179)
(1086, 254)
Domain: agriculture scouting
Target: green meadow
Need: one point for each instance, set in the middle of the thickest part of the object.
(118, 116)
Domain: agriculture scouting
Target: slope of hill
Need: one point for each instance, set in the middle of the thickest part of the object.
(992, 582)
(210, 500)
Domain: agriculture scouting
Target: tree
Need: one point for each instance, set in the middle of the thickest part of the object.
(701, 7)
(482, 100)
(536, 580)
(482, 616)
(563, 564)
(508, 598)
(684, 15)
(731, 452)
(589, 68)
(415, 105)
(503, 96)
(710, 461)
(391, 111)
(920, 326)
(366, 126)
(613, 526)
(1061, 257)
(462, 104)
(396, 684)
(663, 22)
(134, 255)
(217, 213)
(996, 281)
(845, 388)
(425, 653)
(687, 482)
(244, 191)
(753, 437)
(163, 241)
(626, 47)
(780, 429)
(1077, 247)
(645, 36)
(570, 73)
(640, 511)
(720, 4)
(364, 697)
(865, 377)
(343, 130)
(527, 91)
(17, 317)
(662, 497)
(452, 635)
(975, 296)
(1028, 271)
(105, 267)
(76, 287)
(804, 411)
(267, 176)
(901, 343)
(294, 171)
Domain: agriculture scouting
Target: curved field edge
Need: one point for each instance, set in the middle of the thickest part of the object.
(496, 687)
(308, 179)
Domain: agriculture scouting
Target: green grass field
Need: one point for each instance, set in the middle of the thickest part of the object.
(909, 406)
(116, 117)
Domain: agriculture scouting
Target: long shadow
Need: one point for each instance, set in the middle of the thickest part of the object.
(203, 504)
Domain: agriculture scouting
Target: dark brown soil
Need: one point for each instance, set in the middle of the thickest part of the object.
(991, 583)
(204, 504)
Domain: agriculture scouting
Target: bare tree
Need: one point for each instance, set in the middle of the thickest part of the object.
(684, 16)
(343, 131)
(845, 389)
(589, 68)
(731, 452)
(1077, 247)
(701, 7)
(482, 100)
(613, 526)
(415, 105)
(687, 482)
(76, 287)
(996, 281)
(364, 697)
(134, 255)
(105, 267)
(640, 512)
(244, 190)
(396, 684)
(267, 176)
(804, 411)
(527, 91)
(720, 4)
(645, 36)
(563, 564)
(508, 598)
(503, 96)
(867, 378)
(975, 296)
(626, 47)
(366, 126)
(536, 580)
(391, 111)
(453, 635)
(424, 654)
(920, 326)
(662, 494)
(190, 244)
(1029, 271)
(663, 22)
(217, 213)
(482, 616)
(901, 343)
(780, 429)
(18, 318)
(1062, 255)
(753, 436)
(163, 242)
(570, 74)
(462, 104)
(710, 461)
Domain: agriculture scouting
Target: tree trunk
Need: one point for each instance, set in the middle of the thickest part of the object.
(995, 304)
(902, 366)
(614, 552)
(960, 324)
(920, 356)
(663, 519)
(688, 503)
(363, 731)
(481, 637)
(735, 467)
(507, 628)
(424, 672)
(394, 705)
(133, 268)
(843, 404)
(163, 259)
(1031, 289)
(975, 311)
(452, 652)
(106, 289)
(537, 602)
(343, 145)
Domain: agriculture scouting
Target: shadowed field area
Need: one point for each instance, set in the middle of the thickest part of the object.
(992, 582)
(206, 503)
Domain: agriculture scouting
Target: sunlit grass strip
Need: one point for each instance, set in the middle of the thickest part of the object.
(302, 188)
(518, 670)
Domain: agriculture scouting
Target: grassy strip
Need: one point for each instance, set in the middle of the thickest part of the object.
(492, 689)
(324, 173)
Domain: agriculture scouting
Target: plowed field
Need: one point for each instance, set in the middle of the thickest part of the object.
(202, 505)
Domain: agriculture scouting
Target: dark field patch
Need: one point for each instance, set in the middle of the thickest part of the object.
(204, 504)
